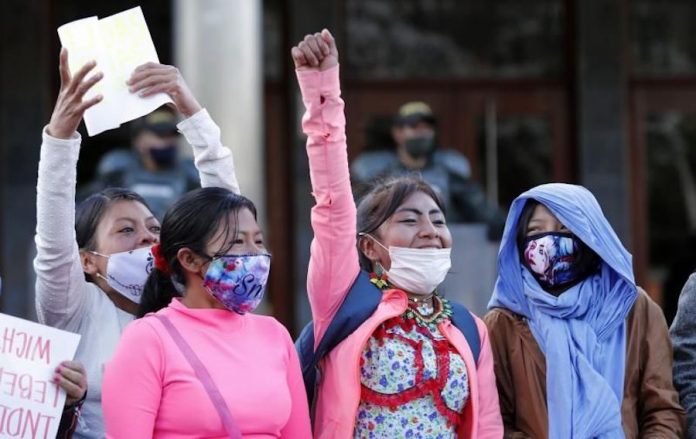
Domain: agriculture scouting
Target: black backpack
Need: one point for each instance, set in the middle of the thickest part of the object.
(360, 303)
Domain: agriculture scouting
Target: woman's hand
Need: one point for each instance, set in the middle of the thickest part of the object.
(71, 376)
(70, 107)
(151, 78)
(316, 52)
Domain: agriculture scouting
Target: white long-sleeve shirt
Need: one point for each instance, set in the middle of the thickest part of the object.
(64, 299)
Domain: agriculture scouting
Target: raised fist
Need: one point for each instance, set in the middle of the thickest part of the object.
(316, 52)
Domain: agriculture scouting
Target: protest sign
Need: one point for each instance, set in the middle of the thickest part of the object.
(30, 403)
(118, 44)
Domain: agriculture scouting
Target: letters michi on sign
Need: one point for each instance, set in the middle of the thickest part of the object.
(30, 403)
(118, 44)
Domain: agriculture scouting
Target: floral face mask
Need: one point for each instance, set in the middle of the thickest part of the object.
(238, 281)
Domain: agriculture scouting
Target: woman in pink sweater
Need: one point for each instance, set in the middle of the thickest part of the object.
(407, 371)
(203, 366)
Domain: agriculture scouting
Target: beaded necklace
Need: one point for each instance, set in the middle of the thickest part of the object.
(429, 316)
(425, 314)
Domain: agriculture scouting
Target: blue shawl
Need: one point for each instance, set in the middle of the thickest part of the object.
(582, 332)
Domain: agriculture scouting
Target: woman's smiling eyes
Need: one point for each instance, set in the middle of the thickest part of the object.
(437, 222)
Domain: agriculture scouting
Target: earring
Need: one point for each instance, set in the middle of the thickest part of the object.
(379, 277)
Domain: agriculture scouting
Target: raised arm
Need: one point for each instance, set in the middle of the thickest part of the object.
(333, 264)
(61, 289)
(213, 160)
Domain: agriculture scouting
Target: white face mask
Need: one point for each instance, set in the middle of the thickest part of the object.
(126, 272)
(418, 271)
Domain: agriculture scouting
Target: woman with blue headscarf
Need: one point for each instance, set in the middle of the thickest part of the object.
(580, 351)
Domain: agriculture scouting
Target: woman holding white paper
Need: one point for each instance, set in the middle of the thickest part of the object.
(92, 262)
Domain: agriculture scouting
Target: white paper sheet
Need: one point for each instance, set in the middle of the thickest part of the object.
(30, 404)
(118, 44)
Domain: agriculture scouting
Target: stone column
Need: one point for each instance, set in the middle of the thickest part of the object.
(218, 48)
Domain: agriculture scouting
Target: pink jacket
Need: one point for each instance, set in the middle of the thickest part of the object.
(334, 266)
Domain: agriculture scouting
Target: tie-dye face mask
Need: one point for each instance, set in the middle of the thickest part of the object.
(552, 259)
(238, 281)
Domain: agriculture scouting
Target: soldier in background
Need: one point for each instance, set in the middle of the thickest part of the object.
(448, 171)
(152, 167)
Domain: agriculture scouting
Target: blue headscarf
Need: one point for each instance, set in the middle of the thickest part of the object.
(582, 332)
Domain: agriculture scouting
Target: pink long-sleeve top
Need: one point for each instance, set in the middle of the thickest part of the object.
(334, 266)
(150, 390)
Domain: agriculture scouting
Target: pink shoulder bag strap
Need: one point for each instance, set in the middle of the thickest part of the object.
(204, 377)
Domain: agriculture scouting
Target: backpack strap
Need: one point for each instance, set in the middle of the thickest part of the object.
(308, 360)
(204, 377)
(359, 304)
(464, 321)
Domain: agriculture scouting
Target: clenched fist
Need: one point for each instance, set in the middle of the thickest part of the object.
(316, 52)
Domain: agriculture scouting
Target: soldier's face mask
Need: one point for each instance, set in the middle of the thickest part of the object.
(164, 157)
(420, 145)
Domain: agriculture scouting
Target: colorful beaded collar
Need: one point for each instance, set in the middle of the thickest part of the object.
(424, 314)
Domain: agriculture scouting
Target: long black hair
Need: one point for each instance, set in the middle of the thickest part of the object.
(192, 222)
(384, 199)
(90, 212)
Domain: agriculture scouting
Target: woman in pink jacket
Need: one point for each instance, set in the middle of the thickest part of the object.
(407, 371)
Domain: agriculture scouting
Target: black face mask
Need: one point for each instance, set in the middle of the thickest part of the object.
(420, 146)
(164, 157)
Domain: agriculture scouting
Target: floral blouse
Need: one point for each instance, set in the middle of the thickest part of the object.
(414, 383)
